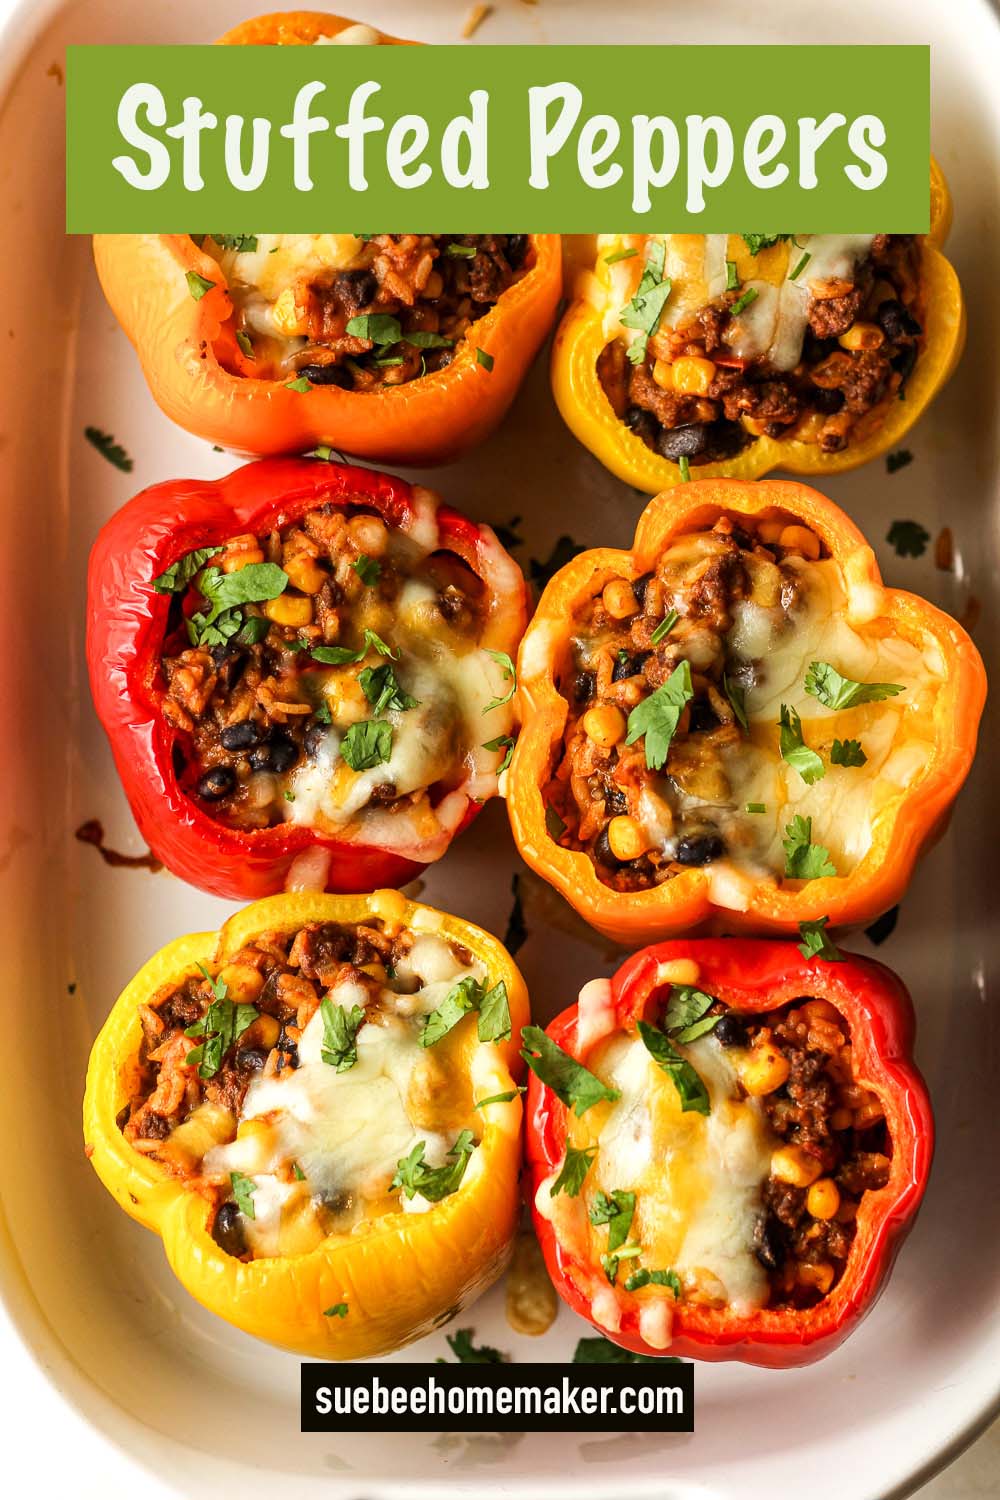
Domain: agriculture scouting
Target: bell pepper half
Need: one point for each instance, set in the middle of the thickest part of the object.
(703, 741)
(176, 305)
(219, 1116)
(340, 640)
(757, 434)
(727, 1144)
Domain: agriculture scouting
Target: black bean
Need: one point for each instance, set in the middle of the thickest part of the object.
(602, 851)
(769, 1243)
(278, 754)
(826, 401)
(240, 736)
(228, 1230)
(615, 802)
(628, 664)
(251, 1059)
(702, 716)
(904, 361)
(699, 849)
(326, 375)
(686, 441)
(517, 249)
(639, 587)
(583, 686)
(730, 1030)
(355, 289)
(643, 424)
(216, 783)
(895, 322)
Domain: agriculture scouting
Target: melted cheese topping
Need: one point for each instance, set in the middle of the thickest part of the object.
(346, 1132)
(897, 735)
(697, 1178)
(772, 327)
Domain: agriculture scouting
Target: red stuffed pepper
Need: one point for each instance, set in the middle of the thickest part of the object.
(728, 1142)
(305, 673)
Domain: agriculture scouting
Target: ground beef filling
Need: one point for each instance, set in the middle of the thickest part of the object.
(834, 1147)
(692, 398)
(252, 708)
(619, 656)
(433, 287)
(181, 1106)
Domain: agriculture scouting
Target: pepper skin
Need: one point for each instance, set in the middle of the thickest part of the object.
(589, 415)
(907, 822)
(757, 976)
(127, 620)
(203, 380)
(411, 1272)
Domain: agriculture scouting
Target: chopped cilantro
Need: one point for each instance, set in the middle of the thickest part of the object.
(794, 749)
(646, 307)
(737, 696)
(755, 807)
(381, 687)
(617, 255)
(655, 719)
(847, 753)
(484, 359)
(664, 628)
(504, 742)
(198, 286)
(220, 1028)
(732, 276)
(301, 385)
(244, 1188)
(805, 860)
(367, 745)
(340, 1030)
(413, 1175)
(601, 1351)
(684, 464)
(617, 1210)
(642, 1277)
(576, 1165)
(226, 593)
(909, 538)
(687, 1013)
(468, 1353)
(109, 449)
(177, 577)
(510, 675)
(568, 1079)
(245, 343)
(750, 295)
(367, 569)
(468, 995)
(755, 243)
(834, 691)
(691, 1090)
(375, 328)
(338, 1310)
(339, 656)
(800, 266)
(815, 942)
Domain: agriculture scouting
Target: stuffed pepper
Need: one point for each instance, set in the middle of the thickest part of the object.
(305, 673)
(728, 1142)
(404, 348)
(736, 720)
(314, 1108)
(737, 354)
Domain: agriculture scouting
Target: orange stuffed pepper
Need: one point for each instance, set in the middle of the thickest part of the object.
(731, 355)
(736, 723)
(402, 348)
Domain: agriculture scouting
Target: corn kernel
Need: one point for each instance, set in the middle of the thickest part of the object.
(809, 427)
(627, 838)
(823, 1198)
(693, 376)
(243, 982)
(254, 1127)
(619, 599)
(763, 1069)
(862, 336)
(800, 539)
(793, 1165)
(842, 1119)
(819, 1276)
(663, 374)
(369, 535)
(305, 573)
(287, 315)
(289, 609)
(769, 531)
(605, 725)
(435, 285)
(821, 1010)
(239, 552)
(263, 1032)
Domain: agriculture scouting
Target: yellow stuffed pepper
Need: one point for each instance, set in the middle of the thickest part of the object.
(731, 355)
(315, 1110)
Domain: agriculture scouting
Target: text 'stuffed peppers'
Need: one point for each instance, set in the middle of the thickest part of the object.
(736, 722)
(304, 671)
(739, 354)
(387, 347)
(335, 1175)
(727, 1144)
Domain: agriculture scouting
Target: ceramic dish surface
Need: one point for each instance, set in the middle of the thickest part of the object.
(181, 1393)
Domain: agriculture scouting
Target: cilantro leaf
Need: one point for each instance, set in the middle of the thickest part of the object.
(197, 285)
(617, 1210)
(109, 449)
(375, 328)
(646, 308)
(847, 753)
(502, 742)
(367, 745)
(340, 1031)
(381, 687)
(469, 994)
(486, 360)
(468, 1353)
(755, 243)
(499, 1098)
(367, 569)
(805, 860)
(237, 242)
(834, 691)
(664, 628)
(737, 696)
(243, 1190)
(617, 255)
(609, 1262)
(568, 1079)
(510, 675)
(794, 749)
(686, 1016)
(494, 1015)
(421, 339)
(908, 537)
(691, 1090)
(815, 942)
(301, 385)
(226, 593)
(340, 656)
(576, 1165)
(554, 825)
(220, 1028)
(750, 295)
(413, 1175)
(601, 1351)
(338, 1310)
(656, 717)
(179, 575)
